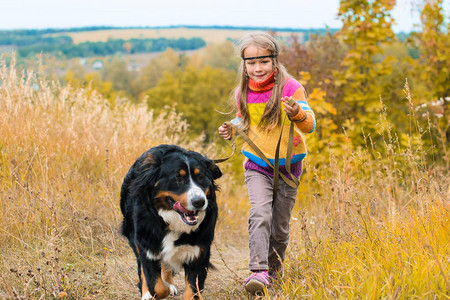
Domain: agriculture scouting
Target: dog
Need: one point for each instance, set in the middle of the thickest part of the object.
(168, 202)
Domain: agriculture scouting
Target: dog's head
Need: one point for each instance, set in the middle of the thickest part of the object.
(181, 185)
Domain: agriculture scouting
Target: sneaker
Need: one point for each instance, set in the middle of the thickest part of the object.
(256, 282)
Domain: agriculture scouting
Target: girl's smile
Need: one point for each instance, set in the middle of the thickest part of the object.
(258, 69)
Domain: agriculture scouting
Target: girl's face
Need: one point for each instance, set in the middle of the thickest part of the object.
(258, 69)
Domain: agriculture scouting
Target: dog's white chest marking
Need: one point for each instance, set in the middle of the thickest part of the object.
(176, 256)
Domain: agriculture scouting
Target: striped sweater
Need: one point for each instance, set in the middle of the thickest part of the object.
(267, 141)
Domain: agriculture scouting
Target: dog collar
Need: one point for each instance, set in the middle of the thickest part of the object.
(256, 57)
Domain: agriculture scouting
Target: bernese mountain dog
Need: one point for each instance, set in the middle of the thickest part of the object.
(168, 202)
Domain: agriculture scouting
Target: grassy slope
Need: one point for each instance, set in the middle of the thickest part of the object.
(363, 228)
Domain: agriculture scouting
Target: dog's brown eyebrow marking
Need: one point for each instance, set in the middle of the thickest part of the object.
(178, 198)
(175, 197)
(196, 171)
(182, 172)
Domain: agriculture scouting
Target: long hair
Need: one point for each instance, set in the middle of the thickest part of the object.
(272, 112)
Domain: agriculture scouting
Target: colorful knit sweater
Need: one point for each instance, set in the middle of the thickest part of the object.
(258, 96)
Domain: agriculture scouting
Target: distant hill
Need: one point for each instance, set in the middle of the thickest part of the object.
(106, 40)
(210, 34)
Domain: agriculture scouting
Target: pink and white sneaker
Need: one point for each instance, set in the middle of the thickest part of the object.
(256, 282)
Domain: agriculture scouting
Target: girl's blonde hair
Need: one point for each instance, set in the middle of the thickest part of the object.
(272, 112)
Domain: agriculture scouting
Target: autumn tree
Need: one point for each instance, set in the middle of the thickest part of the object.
(313, 63)
(433, 71)
(434, 46)
(366, 28)
(316, 62)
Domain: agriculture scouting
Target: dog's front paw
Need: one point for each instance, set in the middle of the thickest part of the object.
(147, 296)
(173, 290)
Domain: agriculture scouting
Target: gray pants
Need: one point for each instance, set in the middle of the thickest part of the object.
(268, 226)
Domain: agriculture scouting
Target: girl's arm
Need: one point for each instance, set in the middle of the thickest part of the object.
(304, 121)
(300, 112)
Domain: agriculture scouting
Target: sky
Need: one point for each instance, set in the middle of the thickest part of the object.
(39, 14)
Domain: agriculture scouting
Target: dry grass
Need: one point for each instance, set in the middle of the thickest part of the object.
(363, 227)
(210, 36)
(375, 226)
(63, 155)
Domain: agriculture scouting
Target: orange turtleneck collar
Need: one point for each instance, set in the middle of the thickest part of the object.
(263, 86)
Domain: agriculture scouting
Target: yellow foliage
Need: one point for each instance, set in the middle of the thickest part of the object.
(317, 98)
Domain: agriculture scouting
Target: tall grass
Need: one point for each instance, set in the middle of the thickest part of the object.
(367, 225)
(63, 155)
(378, 225)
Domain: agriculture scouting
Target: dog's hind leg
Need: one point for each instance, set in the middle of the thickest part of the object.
(167, 276)
(139, 267)
(192, 292)
(195, 282)
(145, 293)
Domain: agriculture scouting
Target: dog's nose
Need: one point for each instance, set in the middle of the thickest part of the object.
(198, 202)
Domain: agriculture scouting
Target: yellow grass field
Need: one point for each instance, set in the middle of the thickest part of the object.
(209, 35)
(364, 227)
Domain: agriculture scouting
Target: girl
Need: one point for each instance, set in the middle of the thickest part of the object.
(264, 91)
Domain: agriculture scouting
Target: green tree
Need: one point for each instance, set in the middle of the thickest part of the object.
(219, 56)
(148, 77)
(198, 94)
(116, 72)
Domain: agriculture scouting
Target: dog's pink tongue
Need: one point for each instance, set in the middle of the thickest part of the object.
(179, 207)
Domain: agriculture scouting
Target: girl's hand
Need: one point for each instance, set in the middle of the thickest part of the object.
(293, 110)
(225, 131)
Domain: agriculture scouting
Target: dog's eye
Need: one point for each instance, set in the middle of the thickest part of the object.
(179, 179)
(201, 179)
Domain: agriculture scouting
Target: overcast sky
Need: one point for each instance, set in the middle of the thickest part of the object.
(274, 13)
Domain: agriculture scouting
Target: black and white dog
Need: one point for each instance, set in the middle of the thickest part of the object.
(168, 201)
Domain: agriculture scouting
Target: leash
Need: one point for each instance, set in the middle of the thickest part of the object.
(293, 182)
(233, 146)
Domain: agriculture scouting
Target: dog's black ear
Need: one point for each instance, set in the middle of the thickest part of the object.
(215, 171)
(146, 170)
(147, 161)
(153, 157)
